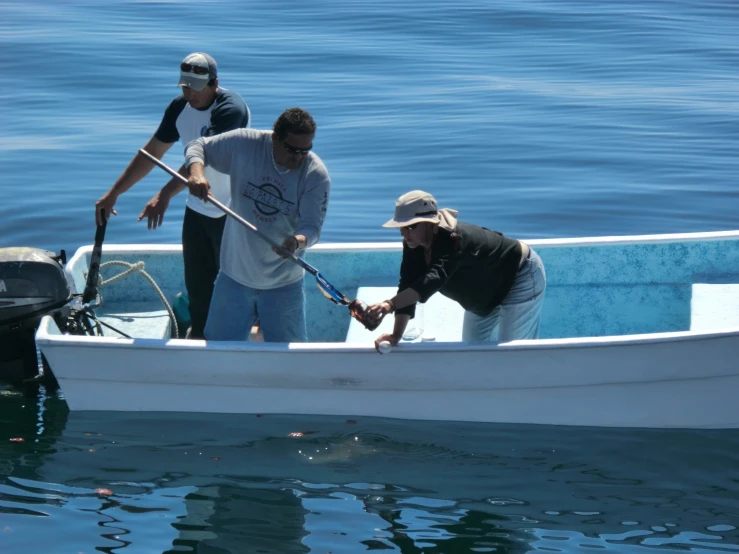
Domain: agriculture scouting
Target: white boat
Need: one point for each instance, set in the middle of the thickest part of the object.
(639, 331)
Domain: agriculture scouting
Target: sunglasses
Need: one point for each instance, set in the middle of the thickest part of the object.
(196, 69)
(410, 227)
(294, 150)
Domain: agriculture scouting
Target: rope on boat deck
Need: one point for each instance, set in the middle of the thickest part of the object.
(139, 267)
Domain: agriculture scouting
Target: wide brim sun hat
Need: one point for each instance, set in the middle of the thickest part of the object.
(414, 207)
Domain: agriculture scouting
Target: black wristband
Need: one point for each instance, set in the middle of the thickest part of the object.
(392, 305)
(297, 242)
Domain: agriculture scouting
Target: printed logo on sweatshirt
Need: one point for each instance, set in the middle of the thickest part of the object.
(268, 199)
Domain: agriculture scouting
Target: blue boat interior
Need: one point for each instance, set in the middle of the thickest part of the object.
(592, 291)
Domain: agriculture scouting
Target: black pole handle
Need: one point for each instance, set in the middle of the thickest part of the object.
(91, 286)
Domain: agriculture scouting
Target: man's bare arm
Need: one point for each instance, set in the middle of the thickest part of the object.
(137, 169)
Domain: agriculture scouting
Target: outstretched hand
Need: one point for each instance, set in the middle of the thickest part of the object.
(154, 211)
(379, 311)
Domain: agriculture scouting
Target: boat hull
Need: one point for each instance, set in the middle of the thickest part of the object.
(636, 332)
(659, 381)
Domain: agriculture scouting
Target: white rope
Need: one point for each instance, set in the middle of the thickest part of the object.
(138, 267)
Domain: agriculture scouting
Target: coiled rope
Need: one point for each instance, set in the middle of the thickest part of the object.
(133, 268)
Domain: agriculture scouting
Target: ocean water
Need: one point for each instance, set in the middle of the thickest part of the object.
(536, 118)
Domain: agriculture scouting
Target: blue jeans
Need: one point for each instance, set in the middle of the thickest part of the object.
(519, 314)
(234, 308)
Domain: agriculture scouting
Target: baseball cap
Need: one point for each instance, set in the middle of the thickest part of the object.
(196, 70)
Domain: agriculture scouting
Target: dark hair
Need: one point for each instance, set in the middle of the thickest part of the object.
(296, 121)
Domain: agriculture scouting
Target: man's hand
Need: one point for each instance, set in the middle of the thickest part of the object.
(104, 207)
(392, 339)
(291, 244)
(154, 210)
(198, 185)
(379, 311)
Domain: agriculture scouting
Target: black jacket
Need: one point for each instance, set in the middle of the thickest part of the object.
(473, 266)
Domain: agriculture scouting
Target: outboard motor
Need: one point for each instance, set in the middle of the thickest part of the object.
(33, 283)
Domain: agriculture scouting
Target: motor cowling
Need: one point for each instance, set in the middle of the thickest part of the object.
(33, 283)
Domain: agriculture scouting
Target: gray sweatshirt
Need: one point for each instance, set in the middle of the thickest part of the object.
(275, 203)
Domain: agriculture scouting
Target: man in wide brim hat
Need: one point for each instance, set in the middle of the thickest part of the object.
(417, 206)
(498, 280)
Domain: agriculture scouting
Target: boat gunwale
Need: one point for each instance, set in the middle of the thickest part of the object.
(341, 247)
(44, 337)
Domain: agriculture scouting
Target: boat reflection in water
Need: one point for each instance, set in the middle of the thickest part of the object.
(234, 483)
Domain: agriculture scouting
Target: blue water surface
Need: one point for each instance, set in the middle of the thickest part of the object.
(536, 118)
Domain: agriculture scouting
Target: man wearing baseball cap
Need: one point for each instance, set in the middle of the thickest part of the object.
(203, 109)
(196, 70)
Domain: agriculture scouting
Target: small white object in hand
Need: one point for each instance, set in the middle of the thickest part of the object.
(384, 347)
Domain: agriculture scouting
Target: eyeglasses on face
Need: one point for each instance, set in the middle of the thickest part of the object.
(294, 150)
(196, 69)
(409, 227)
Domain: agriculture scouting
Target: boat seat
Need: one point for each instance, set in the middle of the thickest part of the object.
(154, 324)
(714, 306)
(440, 318)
